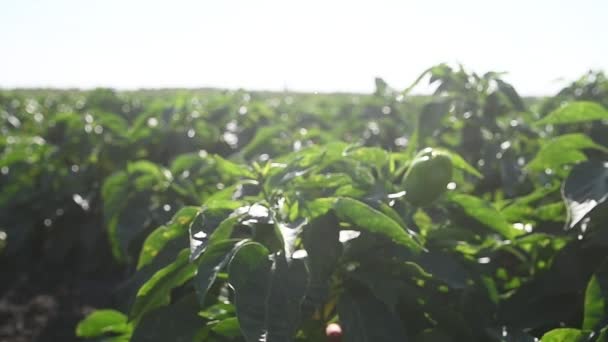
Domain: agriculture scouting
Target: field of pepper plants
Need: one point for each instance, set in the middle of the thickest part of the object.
(469, 214)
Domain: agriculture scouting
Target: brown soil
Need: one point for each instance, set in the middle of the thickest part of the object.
(45, 302)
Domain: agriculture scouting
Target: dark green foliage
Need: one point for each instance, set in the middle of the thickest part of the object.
(264, 217)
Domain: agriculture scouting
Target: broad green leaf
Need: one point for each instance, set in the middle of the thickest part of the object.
(319, 207)
(205, 225)
(563, 150)
(114, 191)
(200, 229)
(268, 293)
(595, 304)
(232, 169)
(156, 292)
(575, 112)
(510, 92)
(563, 335)
(323, 181)
(263, 139)
(126, 294)
(370, 156)
(228, 327)
(445, 267)
(188, 161)
(390, 283)
(485, 213)
(288, 286)
(321, 242)
(366, 218)
(596, 300)
(158, 238)
(225, 228)
(585, 188)
(459, 163)
(249, 276)
(218, 311)
(177, 322)
(412, 144)
(392, 213)
(603, 335)
(552, 212)
(112, 122)
(364, 318)
(28, 151)
(127, 202)
(431, 116)
(210, 263)
(525, 201)
(284, 174)
(102, 322)
(126, 224)
(147, 175)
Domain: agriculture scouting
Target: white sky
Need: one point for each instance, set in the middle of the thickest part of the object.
(324, 45)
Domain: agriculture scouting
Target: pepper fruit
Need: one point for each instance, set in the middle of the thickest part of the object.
(427, 177)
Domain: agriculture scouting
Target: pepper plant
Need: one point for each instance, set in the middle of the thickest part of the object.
(388, 247)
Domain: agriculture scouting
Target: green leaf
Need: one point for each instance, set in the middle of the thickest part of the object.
(216, 222)
(364, 318)
(218, 311)
(321, 241)
(459, 163)
(126, 294)
(575, 112)
(228, 327)
(125, 225)
(112, 122)
(510, 92)
(445, 267)
(146, 175)
(390, 283)
(156, 292)
(268, 293)
(370, 155)
(177, 322)
(127, 201)
(319, 207)
(262, 141)
(563, 150)
(232, 169)
(249, 276)
(585, 188)
(188, 161)
(366, 218)
(563, 335)
(157, 240)
(485, 213)
(288, 286)
(114, 190)
(596, 300)
(603, 335)
(595, 305)
(103, 322)
(210, 263)
(431, 116)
